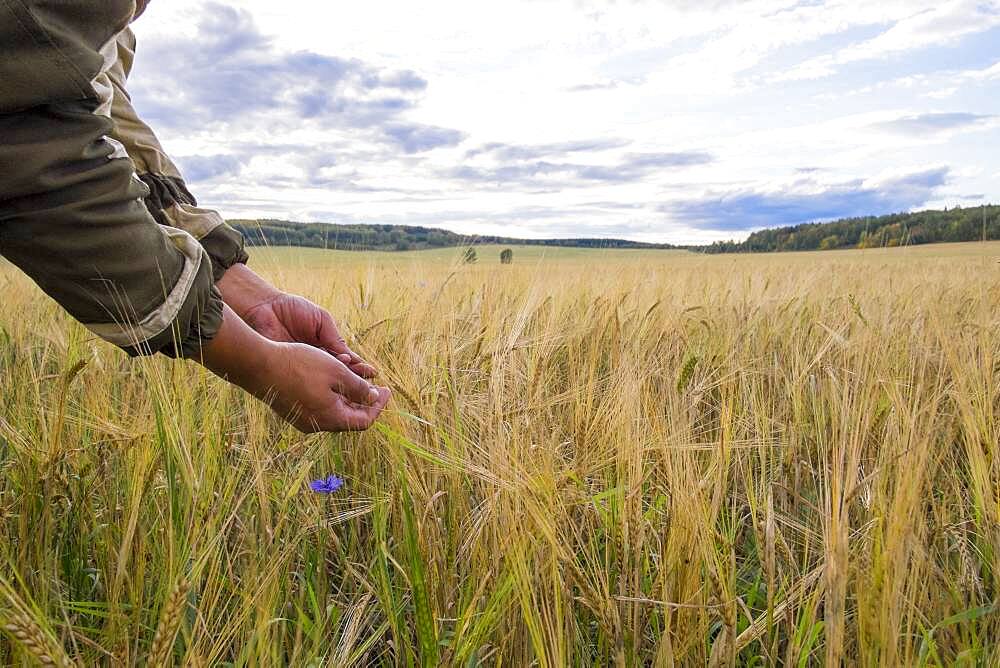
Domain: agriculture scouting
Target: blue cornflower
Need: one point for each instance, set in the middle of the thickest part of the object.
(327, 485)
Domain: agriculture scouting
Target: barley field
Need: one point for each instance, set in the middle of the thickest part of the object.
(592, 458)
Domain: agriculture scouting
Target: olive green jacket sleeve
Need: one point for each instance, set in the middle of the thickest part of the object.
(169, 201)
(72, 208)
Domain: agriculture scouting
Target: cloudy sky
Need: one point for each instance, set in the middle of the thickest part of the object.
(683, 121)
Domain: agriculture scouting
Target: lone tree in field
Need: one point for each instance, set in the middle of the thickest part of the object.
(506, 256)
(470, 255)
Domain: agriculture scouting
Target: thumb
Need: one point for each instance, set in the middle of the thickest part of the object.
(345, 382)
(329, 338)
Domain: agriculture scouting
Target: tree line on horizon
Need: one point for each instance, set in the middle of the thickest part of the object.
(394, 237)
(896, 229)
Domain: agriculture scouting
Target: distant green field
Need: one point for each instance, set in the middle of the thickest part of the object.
(487, 254)
(300, 257)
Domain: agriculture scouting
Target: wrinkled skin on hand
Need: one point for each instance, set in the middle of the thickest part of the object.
(293, 319)
(316, 392)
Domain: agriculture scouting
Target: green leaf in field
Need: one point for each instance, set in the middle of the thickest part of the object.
(398, 439)
(426, 629)
(965, 616)
(657, 507)
(928, 646)
(807, 646)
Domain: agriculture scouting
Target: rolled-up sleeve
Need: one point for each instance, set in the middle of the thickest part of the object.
(169, 201)
(72, 217)
(72, 208)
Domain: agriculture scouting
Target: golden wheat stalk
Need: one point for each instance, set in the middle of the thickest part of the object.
(35, 641)
(170, 621)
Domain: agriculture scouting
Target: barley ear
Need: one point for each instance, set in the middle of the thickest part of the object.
(26, 632)
(170, 621)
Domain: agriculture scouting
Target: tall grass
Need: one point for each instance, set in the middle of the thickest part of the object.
(664, 460)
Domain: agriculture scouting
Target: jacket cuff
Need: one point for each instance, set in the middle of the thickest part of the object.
(197, 322)
(172, 204)
(165, 192)
(203, 330)
(224, 246)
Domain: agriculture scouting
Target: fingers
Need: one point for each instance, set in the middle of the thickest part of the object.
(353, 386)
(344, 415)
(363, 369)
(358, 366)
(358, 418)
(315, 391)
(329, 337)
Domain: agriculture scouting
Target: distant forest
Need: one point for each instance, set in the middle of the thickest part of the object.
(394, 237)
(897, 229)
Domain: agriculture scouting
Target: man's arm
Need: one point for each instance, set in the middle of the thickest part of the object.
(72, 217)
(275, 314)
(169, 201)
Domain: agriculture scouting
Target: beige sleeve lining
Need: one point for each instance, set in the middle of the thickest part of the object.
(134, 334)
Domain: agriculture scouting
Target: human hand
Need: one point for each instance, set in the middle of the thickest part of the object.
(290, 318)
(309, 388)
(317, 392)
(286, 318)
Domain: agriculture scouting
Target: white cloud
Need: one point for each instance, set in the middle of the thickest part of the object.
(555, 117)
(986, 74)
(937, 25)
